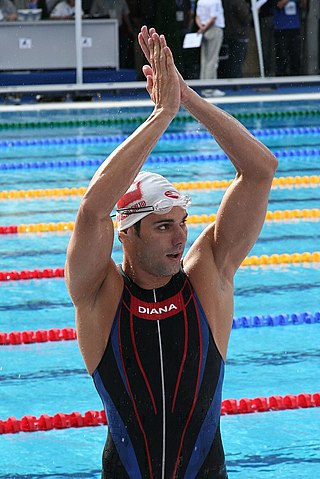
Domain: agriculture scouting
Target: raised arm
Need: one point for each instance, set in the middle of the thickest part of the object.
(89, 252)
(242, 211)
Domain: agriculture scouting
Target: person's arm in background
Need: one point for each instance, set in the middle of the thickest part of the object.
(204, 27)
(282, 3)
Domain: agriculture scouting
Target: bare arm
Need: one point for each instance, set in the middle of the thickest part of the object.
(89, 251)
(242, 211)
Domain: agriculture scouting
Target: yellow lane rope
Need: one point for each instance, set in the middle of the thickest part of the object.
(282, 181)
(284, 258)
(192, 219)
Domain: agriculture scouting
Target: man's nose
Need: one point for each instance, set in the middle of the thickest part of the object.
(179, 236)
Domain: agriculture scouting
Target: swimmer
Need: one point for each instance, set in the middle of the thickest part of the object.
(154, 330)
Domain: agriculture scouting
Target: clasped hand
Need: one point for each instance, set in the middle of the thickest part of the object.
(163, 83)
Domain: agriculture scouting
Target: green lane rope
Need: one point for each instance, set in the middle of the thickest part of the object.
(182, 118)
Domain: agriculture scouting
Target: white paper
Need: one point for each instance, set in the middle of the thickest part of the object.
(25, 43)
(192, 40)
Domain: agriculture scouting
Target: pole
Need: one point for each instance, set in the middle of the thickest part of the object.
(255, 5)
(78, 39)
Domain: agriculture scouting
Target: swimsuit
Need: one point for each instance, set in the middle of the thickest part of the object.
(160, 381)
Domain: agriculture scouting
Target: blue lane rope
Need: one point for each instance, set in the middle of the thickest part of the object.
(306, 153)
(275, 320)
(199, 135)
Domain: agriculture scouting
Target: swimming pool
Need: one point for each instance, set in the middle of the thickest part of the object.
(42, 150)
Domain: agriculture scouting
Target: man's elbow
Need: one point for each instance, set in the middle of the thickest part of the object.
(92, 212)
(272, 164)
(268, 167)
(273, 160)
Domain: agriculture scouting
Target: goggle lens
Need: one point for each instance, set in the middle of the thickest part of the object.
(160, 207)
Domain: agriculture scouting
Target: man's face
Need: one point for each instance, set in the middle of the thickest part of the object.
(158, 248)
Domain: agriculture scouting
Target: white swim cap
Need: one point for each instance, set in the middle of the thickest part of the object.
(149, 193)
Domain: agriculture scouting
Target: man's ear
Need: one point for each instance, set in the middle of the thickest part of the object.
(121, 233)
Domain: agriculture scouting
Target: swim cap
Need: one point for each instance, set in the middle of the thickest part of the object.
(149, 193)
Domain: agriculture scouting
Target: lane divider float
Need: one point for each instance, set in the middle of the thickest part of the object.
(281, 181)
(119, 120)
(173, 136)
(305, 153)
(263, 260)
(15, 338)
(90, 418)
(277, 215)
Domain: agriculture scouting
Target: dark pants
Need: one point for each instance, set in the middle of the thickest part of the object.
(288, 52)
(237, 52)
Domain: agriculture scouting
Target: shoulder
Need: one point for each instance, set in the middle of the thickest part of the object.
(213, 288)
(199, 261)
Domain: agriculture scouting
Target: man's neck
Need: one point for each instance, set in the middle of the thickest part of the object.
(144, 279)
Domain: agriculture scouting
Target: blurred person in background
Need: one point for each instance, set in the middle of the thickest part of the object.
(119, 10)
(8, 11)
(288, 36)
(64, 10)
(210, 21)
(184, 18)
(267, 37)
(236, 35)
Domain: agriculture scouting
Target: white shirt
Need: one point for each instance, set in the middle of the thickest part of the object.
(62, 10)
(207, 9)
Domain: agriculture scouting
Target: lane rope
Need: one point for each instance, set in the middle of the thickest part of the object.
(306, 153)
(181, 136)
(181, 118)
(90, 418)
(263, 260)
(15, 338)
(281, 181)
(277, 215)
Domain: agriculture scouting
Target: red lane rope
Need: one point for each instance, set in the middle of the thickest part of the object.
(31, 274)
(38, 336)
(69, 333)
(97, 418)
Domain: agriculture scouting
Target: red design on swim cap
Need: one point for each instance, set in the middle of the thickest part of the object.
(134, 194)
(172, 194)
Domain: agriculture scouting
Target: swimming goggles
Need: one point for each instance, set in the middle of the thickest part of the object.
(159, 207)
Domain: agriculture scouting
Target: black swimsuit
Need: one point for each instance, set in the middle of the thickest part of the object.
(160, 381)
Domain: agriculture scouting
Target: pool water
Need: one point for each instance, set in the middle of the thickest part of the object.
(50, 377)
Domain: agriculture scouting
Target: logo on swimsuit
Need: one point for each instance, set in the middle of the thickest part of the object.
(164, 309)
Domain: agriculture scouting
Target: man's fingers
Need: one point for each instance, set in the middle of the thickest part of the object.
(151, 53)
(143, 42)
(149, 85)
(163, 39)
(147, 70)
(169, 57)
(157, 55)
(143, 46)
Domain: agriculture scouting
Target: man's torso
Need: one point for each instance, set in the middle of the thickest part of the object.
(160, 380)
